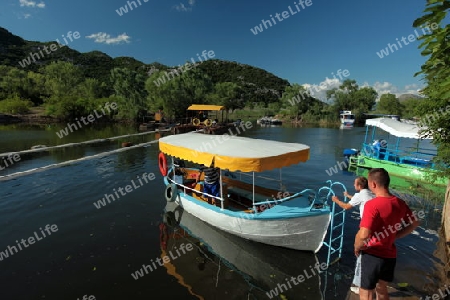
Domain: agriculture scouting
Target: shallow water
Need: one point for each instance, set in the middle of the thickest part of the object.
(95, 251)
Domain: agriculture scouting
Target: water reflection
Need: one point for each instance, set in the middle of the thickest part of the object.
(128, 159)
(234, 267)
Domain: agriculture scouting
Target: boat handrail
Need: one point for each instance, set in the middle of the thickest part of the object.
(369, 149)
(191, 189)
(256, 176)
(278, 201)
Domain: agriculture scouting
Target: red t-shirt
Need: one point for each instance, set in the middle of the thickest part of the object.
(382, 215)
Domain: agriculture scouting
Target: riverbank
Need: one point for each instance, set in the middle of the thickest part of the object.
(255, 114)
(37, 116)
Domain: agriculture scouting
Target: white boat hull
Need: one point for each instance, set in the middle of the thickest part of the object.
(305, 232)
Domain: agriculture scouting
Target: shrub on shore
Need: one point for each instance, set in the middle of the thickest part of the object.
(15, 105)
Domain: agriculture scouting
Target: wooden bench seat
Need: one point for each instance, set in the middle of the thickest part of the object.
(269, 193)
(248, 194)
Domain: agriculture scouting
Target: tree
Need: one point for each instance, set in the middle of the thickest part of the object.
(411, 108)
(436, 74)
(296, 100)
(178, 93)
(227, 94)
(350, 96)
(389, 104)
(61, 84)
(129, 88)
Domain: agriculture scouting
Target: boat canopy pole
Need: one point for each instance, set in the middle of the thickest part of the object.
(367, 132)
(281, 181)
(221, 189)
(373, 134)
(253, 188)
(396, 145)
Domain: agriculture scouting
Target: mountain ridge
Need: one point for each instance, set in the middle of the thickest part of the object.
(14, 50)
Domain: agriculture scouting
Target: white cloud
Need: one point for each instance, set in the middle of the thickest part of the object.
(182, 7)
(31, 3)
(104, 38)
(26, 16)
(387, 87)
(319, 91)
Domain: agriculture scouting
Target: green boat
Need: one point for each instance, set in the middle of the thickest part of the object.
(398, 148)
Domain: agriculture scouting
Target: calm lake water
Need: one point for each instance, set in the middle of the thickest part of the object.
(96, 251)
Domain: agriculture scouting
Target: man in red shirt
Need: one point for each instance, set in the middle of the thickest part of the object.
(386, 218)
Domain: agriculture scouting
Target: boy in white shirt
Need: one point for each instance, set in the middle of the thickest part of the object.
(360, 198)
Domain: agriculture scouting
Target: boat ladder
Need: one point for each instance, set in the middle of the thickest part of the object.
(335, 239)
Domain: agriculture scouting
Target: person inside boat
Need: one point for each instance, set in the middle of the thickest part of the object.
(211, 184)
(379, 147)
(178, 175)
(202, 116)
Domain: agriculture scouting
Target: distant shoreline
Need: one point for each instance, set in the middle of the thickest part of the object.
(36, 119)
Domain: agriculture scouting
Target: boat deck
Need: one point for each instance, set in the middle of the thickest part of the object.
(239, 196)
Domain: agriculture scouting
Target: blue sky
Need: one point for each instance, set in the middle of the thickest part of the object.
(306, 47)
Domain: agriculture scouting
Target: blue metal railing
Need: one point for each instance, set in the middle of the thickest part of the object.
(336, 233)
(418, 158)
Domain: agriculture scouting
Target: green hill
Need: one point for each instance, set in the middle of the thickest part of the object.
(258, 84)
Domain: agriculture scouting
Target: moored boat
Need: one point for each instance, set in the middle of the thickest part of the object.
(269, 121)
(297, 220)
(204, 118)
(399, 149)
(347, 118)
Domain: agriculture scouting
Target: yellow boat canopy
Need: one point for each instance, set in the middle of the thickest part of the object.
(232, 152)
(205, 107)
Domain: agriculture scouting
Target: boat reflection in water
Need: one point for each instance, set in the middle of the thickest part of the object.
(224, 266)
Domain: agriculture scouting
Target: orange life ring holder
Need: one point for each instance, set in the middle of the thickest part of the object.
(207, 122)
(196, 122)
(162, 164)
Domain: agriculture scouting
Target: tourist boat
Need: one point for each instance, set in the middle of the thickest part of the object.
(347, 118)
(235, 266)
(269, 121)
(297, 220)
(399, 149)
(204, 118)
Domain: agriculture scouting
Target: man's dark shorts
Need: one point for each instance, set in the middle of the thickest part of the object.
(374, 268)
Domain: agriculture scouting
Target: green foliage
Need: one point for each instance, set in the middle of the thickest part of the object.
(390, 105)
(350, 96)
(299, 104)
(178, 93)
(15, 105)
(227, 94)
(256, 85)
(129, 88)
(436, 73)
(61, 83)
(411, 108)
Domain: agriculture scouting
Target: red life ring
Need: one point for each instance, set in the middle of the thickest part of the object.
(162, 164)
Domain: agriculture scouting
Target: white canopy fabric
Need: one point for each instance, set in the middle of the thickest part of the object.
(233, 152)
(397, 128)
